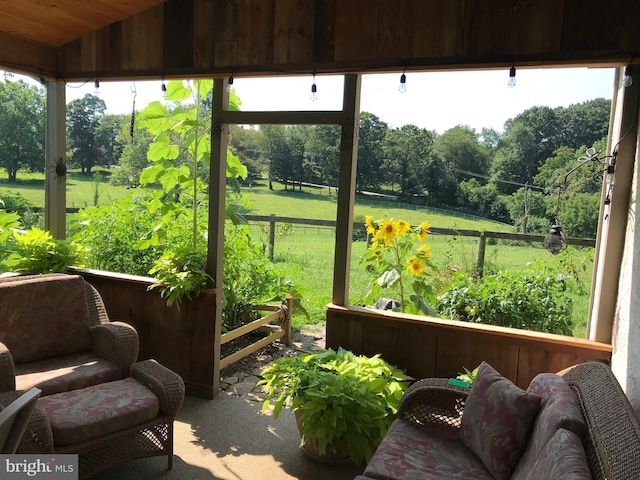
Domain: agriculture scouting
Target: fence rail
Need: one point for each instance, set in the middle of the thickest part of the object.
(274, 332)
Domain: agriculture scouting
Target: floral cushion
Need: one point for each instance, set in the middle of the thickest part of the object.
(562, 457)
(558, 409)
(67, 372)
(415, 452)
(81, 415)
(497, 421)
(44, 316)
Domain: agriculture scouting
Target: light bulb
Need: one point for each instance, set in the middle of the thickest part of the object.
(163, 87)
(97, 87)
(627, 80)
(403, 83)
(314, 92)
(230, 84)
(512, 77)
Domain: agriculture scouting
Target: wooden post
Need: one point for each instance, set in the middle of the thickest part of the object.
(286, 321)
(55, 161)
(482, 242)
(272, 236)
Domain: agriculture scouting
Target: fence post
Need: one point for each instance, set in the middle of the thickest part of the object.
(482, 242)
(272, 235)
(286, 321)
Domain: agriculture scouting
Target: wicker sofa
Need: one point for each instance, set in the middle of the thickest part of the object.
(55, 335)
(583, 427)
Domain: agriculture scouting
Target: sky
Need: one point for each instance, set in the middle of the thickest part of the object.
(433, 100)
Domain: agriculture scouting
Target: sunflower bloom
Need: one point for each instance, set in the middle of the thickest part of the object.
(371, 228)
(423, 251)
(389, 230)
(403, 227)
(416, 267)
(424, 230)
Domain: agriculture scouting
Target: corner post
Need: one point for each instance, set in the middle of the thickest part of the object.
(55, 150)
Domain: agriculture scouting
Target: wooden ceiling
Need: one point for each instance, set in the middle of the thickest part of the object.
(56, 22)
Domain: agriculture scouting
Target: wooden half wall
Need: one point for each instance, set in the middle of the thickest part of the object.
(429, 347)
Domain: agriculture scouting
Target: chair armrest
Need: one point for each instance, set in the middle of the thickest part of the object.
(116, 342)
(167, 385)
(7, 370)
(37, 437)
(433, 402)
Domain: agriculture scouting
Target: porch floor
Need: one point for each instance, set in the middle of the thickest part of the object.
(228, 438)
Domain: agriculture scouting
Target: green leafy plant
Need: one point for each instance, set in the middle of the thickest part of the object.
(345, 401)
(180, 273)
(179, 156)
(36, 251)
(401, 260)
(469, 376)
(530, 299)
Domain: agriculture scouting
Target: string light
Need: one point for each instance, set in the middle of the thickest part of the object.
(163, 88)
(314, 89)
(627, 80)
(403, 82)
(42, 81)
(97, 87)
(230, 84)
(512, 76)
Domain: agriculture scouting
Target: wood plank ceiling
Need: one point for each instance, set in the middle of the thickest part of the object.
(56, 22)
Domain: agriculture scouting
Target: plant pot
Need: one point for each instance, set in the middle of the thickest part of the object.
(310, 448)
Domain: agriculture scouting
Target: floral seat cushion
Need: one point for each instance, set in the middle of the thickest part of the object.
(67, 372)
(413, 452)
(81, 415)
(562, 457)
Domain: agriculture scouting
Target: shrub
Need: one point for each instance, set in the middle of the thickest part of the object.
(36, 251)
(530, 299)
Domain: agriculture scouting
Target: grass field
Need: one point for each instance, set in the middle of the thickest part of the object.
(307, 253)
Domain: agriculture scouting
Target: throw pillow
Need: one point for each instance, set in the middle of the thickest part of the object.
(497, 420)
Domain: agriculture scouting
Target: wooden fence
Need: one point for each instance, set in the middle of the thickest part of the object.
(282, 313)
(482, 236)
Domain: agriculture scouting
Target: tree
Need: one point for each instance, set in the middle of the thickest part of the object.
(460, 149)
(371, 135)
(245, 144)
(133, 159)
(22, 111)
(83, 118)
(323, 154)
(106, 135)
(585, 123)
(410, 161)
(516, 159)
(579, 215)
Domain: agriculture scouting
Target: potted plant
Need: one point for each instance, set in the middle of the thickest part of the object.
(344, 403)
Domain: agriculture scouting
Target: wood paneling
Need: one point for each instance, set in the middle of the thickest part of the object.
(252, 37)
(441, 348)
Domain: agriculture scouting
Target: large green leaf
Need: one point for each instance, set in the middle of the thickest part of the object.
(161, 148)
(176, 91)
(154, 118)
(203, 87)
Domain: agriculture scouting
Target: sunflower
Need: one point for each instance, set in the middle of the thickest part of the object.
(424, 229)
(388, 230)
(371, 228)
(423, 251)
(403, 227)
(416, 267)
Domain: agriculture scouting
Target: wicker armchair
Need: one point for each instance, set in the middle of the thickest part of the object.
(55, 335)
(113, 440)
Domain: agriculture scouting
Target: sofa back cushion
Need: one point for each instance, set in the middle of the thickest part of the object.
(559, 409)
(44, 316)
(562, 457)
(497, 421)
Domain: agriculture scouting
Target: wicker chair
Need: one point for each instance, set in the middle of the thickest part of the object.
(102, 442)
(55, 335)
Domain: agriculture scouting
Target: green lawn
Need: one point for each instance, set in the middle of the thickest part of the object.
(80, 188)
